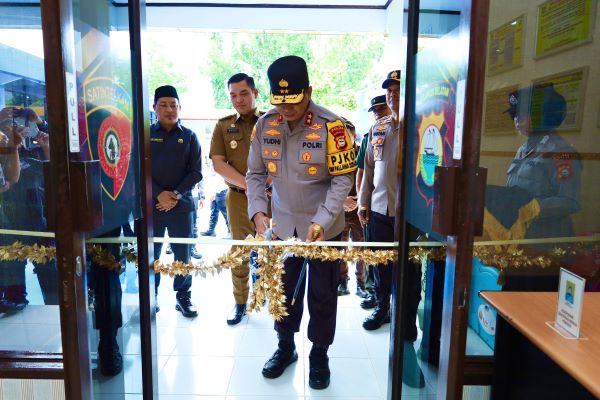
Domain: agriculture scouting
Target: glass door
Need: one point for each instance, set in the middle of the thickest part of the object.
(441, 204)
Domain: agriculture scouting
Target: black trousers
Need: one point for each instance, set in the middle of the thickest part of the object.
(323, 278)
(381, 229)
(179, 225)
(107, 290)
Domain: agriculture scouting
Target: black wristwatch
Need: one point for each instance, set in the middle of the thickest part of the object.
(177, 194)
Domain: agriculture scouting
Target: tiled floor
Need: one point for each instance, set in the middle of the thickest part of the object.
(204, 358)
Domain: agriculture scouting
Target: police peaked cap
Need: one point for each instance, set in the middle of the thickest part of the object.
(392, 77)
(546, 107)
(165, 91)
(377, 101)
(288, 78)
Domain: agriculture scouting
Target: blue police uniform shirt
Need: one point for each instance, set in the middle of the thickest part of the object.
(176, 163)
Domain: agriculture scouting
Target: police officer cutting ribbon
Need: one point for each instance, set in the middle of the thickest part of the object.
(310, 157)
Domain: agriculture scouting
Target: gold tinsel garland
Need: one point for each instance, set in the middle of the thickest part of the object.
(270, 259)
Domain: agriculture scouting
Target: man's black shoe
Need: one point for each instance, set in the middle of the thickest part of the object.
(208, 233)
(368, 303)
(195, 254)
(412, 375)
(319, 373)
(9, 306)
(236, 315)
(360, 292)
(279, 361)
(185, 306)
(343, 288)
(379, 317)
(109, 358)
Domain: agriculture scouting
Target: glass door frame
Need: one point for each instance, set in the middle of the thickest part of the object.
(59, 59)
(455, 369)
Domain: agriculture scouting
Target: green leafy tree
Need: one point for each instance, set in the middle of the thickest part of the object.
(162, 70)
(339, 65)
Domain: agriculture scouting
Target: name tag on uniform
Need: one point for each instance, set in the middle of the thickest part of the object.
(233, 130)
(155, 139)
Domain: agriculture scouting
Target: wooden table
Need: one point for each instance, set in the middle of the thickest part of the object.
(528, 312)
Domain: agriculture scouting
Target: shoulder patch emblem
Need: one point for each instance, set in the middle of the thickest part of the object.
(341, 155)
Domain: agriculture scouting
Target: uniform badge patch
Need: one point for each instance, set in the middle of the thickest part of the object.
(274, 123)
(376, 152)
(266, 152)
(315, 126)
(233, 130)
(309, 118)
(273, 132)
(274, 153)
(341, 156)
(272, 167)
(306, 156)
(179, 140)
(381, 128)
(312, 136)
(156, 139)
(312, 170)
(233, 144)
(563, 169)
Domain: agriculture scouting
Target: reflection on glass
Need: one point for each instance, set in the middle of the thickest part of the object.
(539, 145)
(29, 319)
(103, 68)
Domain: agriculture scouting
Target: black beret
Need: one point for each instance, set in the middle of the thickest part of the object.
(392, 77)
(377, 101)
(165, 91)
(288, 78)
(546, 107)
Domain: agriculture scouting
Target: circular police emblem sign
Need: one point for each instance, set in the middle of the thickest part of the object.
(111, 147)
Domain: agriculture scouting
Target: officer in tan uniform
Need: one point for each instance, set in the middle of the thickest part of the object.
(229, 153)
(310, 156)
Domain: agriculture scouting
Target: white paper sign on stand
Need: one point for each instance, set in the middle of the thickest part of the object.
(570, 304)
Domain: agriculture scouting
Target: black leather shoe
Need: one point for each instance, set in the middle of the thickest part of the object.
(343, 288)
(368, 303)
(360, 292)
(379, 317)
(236, 315)
(185, 306)
(109, 358)
(319, 373)
(411, 372)
(279, 361)
(195, 254)
(9, 306)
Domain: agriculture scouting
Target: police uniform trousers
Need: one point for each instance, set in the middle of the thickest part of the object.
(323, 277)
(381, 229)
(353, 228)
(241, 226)
(107, 291)
(179, 225)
